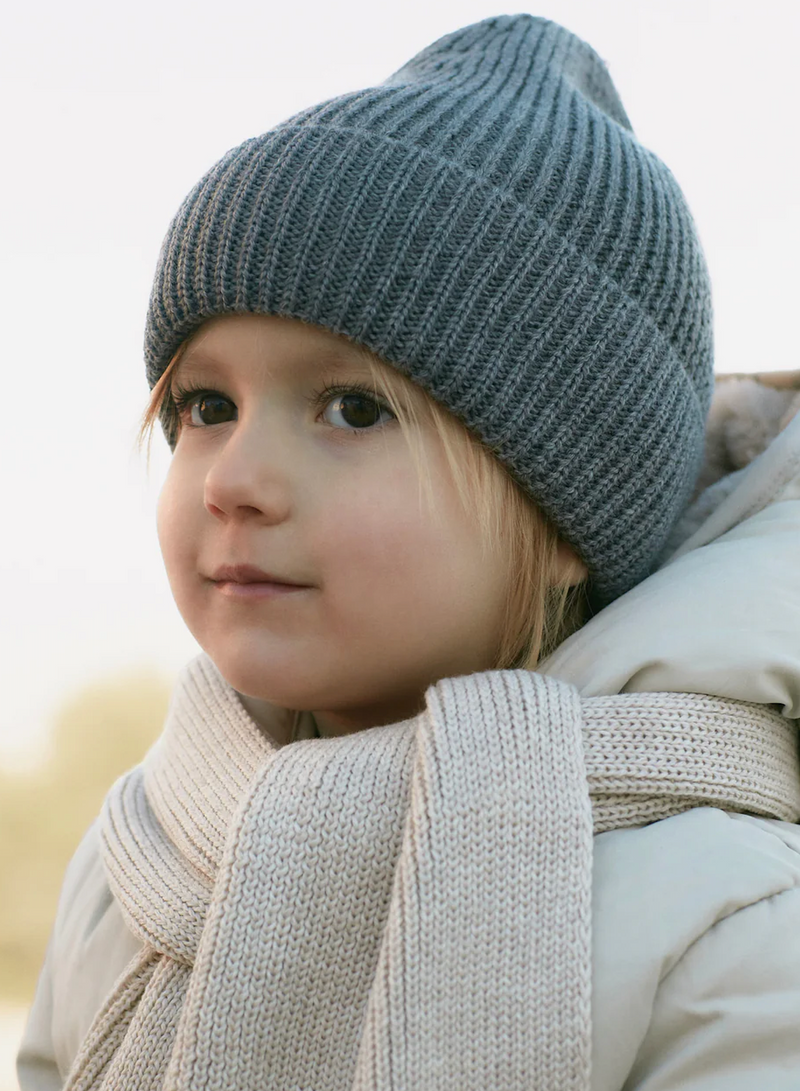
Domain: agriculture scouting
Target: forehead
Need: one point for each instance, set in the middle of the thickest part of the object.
(269, 344)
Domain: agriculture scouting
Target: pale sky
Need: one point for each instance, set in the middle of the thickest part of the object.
(111, 113)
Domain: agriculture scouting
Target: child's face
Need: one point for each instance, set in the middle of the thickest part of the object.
(322, 491)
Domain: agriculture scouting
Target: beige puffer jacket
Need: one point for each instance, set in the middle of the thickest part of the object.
(696, 944)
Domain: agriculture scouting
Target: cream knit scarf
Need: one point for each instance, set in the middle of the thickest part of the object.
(405, 908)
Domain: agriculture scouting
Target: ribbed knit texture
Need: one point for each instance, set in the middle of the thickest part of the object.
(486, 221)
(404, 908)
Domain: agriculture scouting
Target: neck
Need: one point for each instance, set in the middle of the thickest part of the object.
(278, 724)
(349, 722)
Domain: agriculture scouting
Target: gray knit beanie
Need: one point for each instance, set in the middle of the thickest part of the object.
(487, 222)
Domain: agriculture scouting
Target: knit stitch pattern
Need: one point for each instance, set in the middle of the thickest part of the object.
(402, 908)
(486, 221)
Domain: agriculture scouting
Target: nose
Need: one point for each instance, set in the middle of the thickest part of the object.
(249, 478)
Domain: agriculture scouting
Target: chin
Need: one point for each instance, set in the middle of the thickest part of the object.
(282, 680)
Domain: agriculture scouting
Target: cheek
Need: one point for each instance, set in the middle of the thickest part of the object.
(389, 562)
(174, 528)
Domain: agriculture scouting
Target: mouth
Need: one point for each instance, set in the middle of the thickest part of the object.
(246, 582)
(263, 589)
(249, 573)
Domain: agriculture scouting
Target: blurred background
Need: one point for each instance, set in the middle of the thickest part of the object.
(110, 114)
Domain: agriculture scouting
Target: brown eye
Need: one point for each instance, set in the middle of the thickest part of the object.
(210, 409)
(197, 408)
(355, 411)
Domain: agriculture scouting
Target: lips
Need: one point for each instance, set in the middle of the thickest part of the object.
(249, 573)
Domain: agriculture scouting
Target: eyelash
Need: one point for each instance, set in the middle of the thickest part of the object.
(184, 397)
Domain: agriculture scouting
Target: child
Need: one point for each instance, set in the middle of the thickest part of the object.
(487, 776)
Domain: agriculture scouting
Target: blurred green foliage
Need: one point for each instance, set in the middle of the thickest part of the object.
(101, 732)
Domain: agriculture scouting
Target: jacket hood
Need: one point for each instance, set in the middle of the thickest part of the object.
(721, 614)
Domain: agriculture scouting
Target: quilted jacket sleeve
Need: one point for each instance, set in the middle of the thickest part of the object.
(89, 946)
(727, 1016)
(36, 1063)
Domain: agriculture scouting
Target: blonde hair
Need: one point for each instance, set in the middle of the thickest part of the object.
(541, 609)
